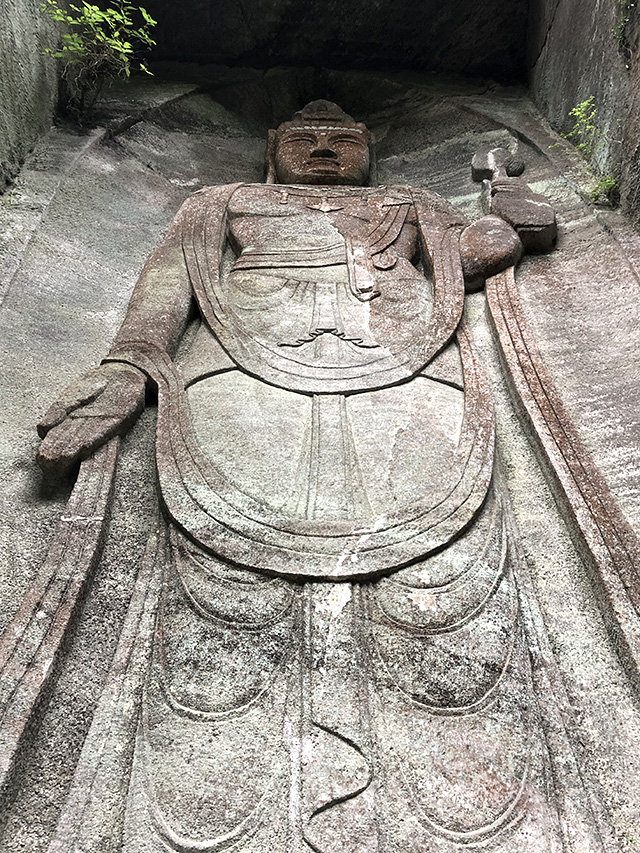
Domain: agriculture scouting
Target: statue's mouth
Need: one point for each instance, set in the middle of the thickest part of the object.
(324, 163)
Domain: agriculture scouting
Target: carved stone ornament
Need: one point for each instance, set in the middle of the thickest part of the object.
(333, 644)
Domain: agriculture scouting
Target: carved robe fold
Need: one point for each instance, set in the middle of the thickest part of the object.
(338, 647)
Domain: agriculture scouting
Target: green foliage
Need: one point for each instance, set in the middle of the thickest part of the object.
(607, 191)
(584, 132)
(587, 138)
(98, 45)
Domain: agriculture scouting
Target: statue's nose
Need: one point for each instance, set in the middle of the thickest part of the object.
(324, 152)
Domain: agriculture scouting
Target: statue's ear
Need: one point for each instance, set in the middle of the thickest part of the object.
(373, 162)
(270, 159)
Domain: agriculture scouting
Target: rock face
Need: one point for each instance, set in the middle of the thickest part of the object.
(28, 81)
(631, 145)
(578, 50)
(463, 37)
(476, 696)
(570, 50)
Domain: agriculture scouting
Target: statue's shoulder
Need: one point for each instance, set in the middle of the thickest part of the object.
(211, 195)
(426, 199)
(211, 198)
(206, 203)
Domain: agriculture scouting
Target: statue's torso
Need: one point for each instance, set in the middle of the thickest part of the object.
(321, 425)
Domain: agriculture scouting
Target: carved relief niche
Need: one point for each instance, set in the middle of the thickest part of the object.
(334, 642)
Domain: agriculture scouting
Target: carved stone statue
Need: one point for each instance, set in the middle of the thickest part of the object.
(331, 646)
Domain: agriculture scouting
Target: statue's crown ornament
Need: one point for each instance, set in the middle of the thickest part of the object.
(323, 115)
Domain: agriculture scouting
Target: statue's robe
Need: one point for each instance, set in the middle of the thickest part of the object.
(310, 441)
(340, 660)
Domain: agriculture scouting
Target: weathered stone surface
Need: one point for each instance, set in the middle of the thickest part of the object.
(510, 199)
(486, 246)
(580, 49)
(573, 302)
(28, 81)
(573, 54)
(630, 175)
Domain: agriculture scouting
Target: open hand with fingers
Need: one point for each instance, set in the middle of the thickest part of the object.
(103, 403)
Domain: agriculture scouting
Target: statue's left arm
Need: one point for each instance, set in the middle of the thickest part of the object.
(486, 246)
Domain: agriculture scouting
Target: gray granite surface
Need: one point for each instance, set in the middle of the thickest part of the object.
(28, 81)
(84, 214)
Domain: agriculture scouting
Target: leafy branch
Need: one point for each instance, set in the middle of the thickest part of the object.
(584, 129)
(588, 138)
(98, 45)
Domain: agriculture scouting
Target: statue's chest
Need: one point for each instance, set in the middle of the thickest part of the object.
(269, 217)
(322, 296)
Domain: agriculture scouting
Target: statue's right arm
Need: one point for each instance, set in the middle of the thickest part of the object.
(107, 400)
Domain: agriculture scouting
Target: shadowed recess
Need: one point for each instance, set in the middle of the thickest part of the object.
(459, 36)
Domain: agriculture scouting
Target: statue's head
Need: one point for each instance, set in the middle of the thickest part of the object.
(320, 145)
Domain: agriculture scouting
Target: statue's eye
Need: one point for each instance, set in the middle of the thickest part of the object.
(349, 140)
(298, 138)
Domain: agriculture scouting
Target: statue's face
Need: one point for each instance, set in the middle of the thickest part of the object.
(309, 155)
